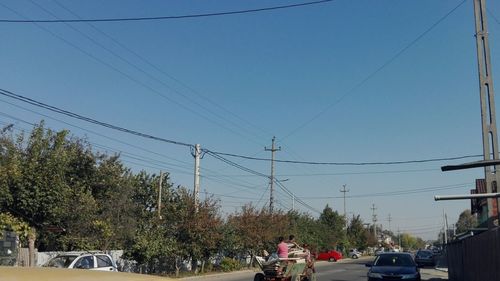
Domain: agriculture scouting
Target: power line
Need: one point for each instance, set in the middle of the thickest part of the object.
(299, 200)
(349, 163)
(153, 77)
(170, 17)
(344, 173)
(213, 153)
(96, 133)
(493, 16)
(134, 146)
(132, 78)
(372, 74)
(158, 164)
(87, 119)
(394, 193)
(157, 68)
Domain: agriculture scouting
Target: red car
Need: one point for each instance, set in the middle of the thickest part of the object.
(331, 255)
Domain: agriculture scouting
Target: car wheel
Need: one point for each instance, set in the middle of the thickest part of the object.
(354, 256)
(258, 277)
(332, 260)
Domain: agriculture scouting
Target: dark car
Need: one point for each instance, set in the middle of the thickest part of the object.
(331, 255)
(425, 257)
(393, 266)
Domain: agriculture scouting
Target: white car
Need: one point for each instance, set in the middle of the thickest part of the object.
(92, 261)
(354, 254)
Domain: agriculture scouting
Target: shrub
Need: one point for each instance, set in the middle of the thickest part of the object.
(229, 264)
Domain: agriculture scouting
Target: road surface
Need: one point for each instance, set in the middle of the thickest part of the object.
(344, 270)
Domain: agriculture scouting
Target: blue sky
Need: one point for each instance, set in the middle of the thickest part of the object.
(307, 75)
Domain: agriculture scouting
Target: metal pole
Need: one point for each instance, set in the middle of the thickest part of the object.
(466, 196)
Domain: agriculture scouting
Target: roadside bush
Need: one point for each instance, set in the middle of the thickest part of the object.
(229, 264)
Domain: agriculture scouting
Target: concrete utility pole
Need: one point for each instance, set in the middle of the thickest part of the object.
(374, 220)
(399, 239)
(389, 219)
(271, 196)
(159, 195)
(196, 154)
(445, 227)
(345, 214)
(487, 98)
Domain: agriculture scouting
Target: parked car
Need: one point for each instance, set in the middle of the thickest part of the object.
(425, 257)
(92, 261)
(330, 256)
(354, 254)
(393, 266)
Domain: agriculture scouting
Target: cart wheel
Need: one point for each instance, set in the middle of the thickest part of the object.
(258, 277)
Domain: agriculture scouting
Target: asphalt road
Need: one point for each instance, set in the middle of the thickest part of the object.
(344, 270)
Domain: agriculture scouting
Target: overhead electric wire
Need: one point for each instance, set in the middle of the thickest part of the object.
(202, 15)
(493, 16)
(396, 192)
(100, 135)
(348, 163)
(157, 163)
(123, 154)
(297, 199)
(232, 184)
(160, 81)
(88, 119)
(209, 170)
(160, 70)
(236, 165)
(375, 72)
(343, 173)
(132, 78)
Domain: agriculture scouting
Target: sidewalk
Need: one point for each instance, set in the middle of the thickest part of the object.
(431, 273)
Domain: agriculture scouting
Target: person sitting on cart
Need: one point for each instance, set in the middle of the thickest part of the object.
(282, 250)
(291, 242)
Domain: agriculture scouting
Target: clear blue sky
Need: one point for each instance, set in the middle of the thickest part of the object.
(231, 83)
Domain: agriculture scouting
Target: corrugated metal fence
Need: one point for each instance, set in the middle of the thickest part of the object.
(475, 258)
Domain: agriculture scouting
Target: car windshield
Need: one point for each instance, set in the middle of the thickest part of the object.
(61, 261)
(424, 254)
(394, 260)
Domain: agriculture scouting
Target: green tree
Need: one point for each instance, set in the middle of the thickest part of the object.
(335, 234)
(466, 221)
(258, 230)
(357, 233)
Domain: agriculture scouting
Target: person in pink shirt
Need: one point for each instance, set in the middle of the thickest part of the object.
(282, 248)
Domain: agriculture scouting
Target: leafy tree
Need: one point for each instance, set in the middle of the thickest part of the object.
(307, 229)
(466, 221)
(356, 233)
(258, 229)
(335, 235)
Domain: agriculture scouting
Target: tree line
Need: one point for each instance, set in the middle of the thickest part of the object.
(58, 189)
